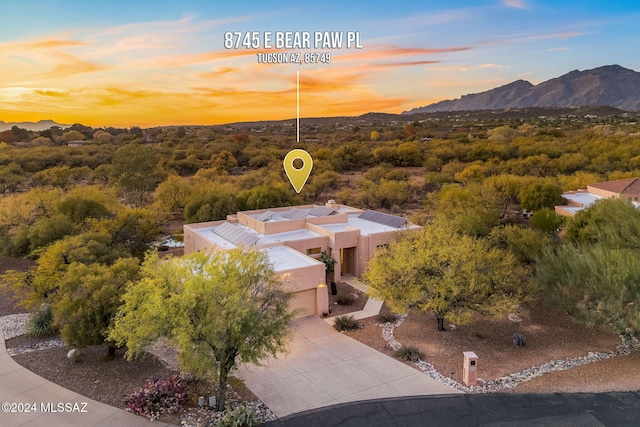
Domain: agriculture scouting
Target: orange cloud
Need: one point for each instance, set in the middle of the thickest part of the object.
(403, 64)
(380, 52)
(40, 44)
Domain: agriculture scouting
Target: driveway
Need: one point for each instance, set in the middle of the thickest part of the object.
(325, 367)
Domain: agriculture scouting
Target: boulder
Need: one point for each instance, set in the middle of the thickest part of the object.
(74, 355)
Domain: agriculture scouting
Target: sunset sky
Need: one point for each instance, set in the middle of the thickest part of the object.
(147, 63)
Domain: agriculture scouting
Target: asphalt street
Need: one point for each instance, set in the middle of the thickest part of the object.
(520, 410)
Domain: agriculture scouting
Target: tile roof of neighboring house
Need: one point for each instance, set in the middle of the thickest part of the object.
(633, 188)
(620, 186)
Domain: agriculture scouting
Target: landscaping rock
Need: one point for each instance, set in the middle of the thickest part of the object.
(14, 325)
(629, 343)
(515, 318)
(74, 355)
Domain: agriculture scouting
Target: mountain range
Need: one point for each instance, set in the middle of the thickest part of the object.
(34, 126)
(610, 85)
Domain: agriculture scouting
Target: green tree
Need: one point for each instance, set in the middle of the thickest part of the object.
(48, 230)
(525, 243)
(72, 135)
(135, 172)
(472, 208)
(11, 178)
(217, 308)
(132, 230)
(61, 176)
(408, 154)
(102, 136)
(87, 299)
(223, 161)
(614, 222)
(595, 283)
(41, 283)
(503, 134)
(174, 194)
(546, 220)
(77, 208)
(319, 183)
(540, 196)
(596, 274)
(212, 205)
(449, 274)
(267, 196)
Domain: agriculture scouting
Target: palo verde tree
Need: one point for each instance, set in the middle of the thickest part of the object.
(446, 273)
(217, 308)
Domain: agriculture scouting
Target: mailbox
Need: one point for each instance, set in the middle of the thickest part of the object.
(470, 368)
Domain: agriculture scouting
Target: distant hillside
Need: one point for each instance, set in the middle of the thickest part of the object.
(35, 126)
(611, 85)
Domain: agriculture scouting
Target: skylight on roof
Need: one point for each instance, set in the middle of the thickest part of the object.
(383, 218)
(321, 211)
(295, 213)
(235, 235)
(265, 216)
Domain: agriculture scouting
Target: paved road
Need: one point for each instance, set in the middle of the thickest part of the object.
(18, 385)
(489, 410)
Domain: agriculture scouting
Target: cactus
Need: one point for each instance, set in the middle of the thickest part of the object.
(518, 340)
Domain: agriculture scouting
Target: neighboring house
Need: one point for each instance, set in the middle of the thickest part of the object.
(628, 189)
(294, 237)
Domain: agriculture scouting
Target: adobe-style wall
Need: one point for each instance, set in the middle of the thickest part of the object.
(631, 197)
(329, 219)
(193, 241)
(602, 193)
(301, 246)
(367, 246)
(562, 212)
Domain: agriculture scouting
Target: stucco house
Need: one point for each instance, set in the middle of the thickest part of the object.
(628, 189)
(294, 237)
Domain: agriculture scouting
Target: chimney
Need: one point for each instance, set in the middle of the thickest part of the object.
(332, 205)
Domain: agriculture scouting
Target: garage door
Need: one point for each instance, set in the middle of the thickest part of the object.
(305, 301)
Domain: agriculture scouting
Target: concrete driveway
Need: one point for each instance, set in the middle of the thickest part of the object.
(325, 367)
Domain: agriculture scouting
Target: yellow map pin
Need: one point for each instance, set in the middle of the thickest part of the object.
(298, 176)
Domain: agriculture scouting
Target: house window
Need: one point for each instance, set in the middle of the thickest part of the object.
(314, 251)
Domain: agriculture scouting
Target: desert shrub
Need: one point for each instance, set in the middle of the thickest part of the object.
(386, 318)
(40, 323)
(412, 354)
(241, 416)
(345, 323)
(345, 299)
(158, 397)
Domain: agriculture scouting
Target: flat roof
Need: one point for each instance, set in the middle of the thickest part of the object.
(207, 233)
(284, 258)
(294, 213)
(366, 227)
(582, 197)
(287, 236)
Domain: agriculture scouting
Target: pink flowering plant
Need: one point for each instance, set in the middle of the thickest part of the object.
(158, 397)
